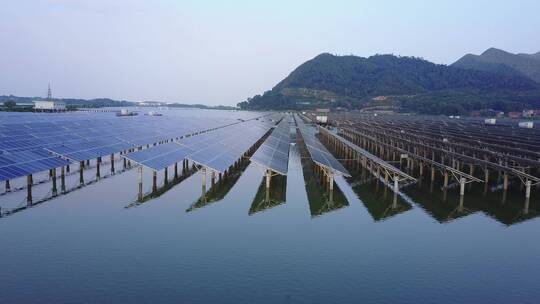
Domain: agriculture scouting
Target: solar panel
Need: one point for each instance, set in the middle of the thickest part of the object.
(79, 136)
(274, 152)
(27, 162)
(230, 144)
(161, 156)
(318, 151)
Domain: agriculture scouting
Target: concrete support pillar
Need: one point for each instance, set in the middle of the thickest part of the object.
(67, 168)
(268, 178)
(396, 183)
(140, 193)
(421, 168)
(112, 163)
(154, 181)
(98, 165)
(527, 189)
(81, 173)
(203, 172)
(175, 170)
(471, 169)
(29, 182)
(54, 189)
(213, 178)
(505, 181)
(432, 173)
(8, 186)
(62, 179)
(125, 163)
(445, 183)
(462, 186)
(331, 182)
(486, 176)
(166, 176)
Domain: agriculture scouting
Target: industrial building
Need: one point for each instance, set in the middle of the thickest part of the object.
(49, 105)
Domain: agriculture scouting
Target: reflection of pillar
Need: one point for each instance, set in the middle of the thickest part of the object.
(54, 189)
(421, 166)
(505, 181)
(62, 179)
(445, 183)
(267, 196)
(432, 173)
(486, 175)
(444, 194)
(140, 195)
(29, 183)
(462, 186)
(154, 181)
(81, 172)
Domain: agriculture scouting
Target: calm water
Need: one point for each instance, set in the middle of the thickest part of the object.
(239, 244)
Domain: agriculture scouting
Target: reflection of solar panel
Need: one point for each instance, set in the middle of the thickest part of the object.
(274, 152)
(318, 151)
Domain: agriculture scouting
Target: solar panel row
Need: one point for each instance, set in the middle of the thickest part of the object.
(29, 145)
(274, 152)
(217, 149)
(318, 151)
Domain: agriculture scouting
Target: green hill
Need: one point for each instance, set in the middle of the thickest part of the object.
(499, 61)
(403, 83)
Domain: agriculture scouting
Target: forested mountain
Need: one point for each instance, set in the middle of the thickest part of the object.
(499, 61)
(403, 83)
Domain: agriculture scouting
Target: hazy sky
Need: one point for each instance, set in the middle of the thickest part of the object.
(221, 52)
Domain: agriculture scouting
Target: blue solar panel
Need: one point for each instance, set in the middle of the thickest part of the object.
(160, 156)
(318, 151)
(80, 136)
(274, 152)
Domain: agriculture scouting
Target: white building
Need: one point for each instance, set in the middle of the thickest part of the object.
(49, 105)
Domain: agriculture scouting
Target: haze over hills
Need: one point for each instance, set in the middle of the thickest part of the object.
(401, 83)
(502, 62)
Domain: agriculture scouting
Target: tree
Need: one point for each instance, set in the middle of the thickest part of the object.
(10, 104)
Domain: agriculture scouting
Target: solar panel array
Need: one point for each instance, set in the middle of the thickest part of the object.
(274, 152)
(34, 142)
(318, 151)
(217, 150)
(26, 163)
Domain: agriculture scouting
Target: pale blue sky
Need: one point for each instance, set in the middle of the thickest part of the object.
(221, 52)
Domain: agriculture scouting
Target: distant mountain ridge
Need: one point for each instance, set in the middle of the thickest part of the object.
(502, 62)
(398, 83)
